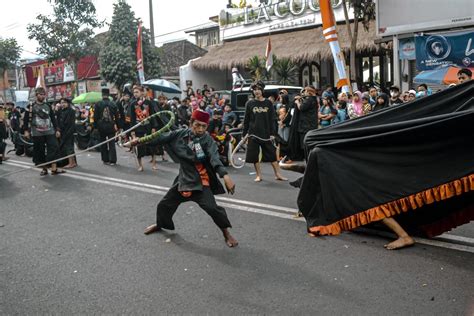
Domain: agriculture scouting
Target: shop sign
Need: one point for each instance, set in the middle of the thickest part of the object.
(275, 15)
(58, 74)
(54, 93)
(439, 50)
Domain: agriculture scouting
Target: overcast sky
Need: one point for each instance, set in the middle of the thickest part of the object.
(169, 16)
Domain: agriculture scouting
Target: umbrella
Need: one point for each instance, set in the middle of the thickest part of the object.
(445, 75)
(162, 85)
(88, 97)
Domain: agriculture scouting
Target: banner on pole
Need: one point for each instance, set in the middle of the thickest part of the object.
(140, 69)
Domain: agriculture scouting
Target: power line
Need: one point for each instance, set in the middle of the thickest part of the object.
(185, 29)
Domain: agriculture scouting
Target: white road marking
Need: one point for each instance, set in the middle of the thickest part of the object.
(160, 190)
(142, 187)
(157, 187)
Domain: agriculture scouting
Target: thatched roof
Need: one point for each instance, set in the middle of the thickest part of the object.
(301, 46)
(175, 54)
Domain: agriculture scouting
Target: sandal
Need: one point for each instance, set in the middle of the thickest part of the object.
(57, 171)
(44, 172)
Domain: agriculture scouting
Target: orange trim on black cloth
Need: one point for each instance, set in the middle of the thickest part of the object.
(412, 202)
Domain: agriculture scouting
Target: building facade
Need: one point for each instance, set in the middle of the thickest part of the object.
(295, 31)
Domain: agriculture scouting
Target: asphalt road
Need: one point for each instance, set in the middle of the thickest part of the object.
(74, 244)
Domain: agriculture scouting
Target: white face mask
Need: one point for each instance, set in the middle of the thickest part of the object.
(394, 94)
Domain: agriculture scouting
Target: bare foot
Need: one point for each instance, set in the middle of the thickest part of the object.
(154, 168)
(140, 169)
(230, 241)
(151, 229)
(280, 178)
(298, 215)
(258, 179)
(401, 242)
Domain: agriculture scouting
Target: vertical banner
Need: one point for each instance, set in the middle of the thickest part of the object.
(269, 55)
(140, 69)
(330, 34)
(40, 79)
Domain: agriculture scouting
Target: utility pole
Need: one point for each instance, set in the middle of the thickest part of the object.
(152, 28)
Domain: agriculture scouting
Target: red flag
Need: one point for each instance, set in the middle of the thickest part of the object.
(140, 69)
(269, 55)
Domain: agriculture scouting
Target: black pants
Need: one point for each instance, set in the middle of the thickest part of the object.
(205, 199)
(107, 151)
(45, 148)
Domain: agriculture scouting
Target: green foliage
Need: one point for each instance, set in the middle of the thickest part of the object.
(364, 10)
(117, 58)
(256, 67)
(9, 53)
(285, 70)
(68, 33)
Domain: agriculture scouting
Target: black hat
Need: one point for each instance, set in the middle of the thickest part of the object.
(105, 91)
(127, 91)
(395, 88)
(258, 84)
(40, 90)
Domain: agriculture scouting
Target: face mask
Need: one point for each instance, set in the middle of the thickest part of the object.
(420, 94)
(394, 94)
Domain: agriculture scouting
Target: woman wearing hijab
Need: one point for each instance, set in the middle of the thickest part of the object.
(355, 109)
(381, 103)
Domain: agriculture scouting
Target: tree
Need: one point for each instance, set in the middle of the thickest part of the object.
(286, 70)
(9, 53)
(364, 11)
(256, 67)
(68, 33)
(118, 60)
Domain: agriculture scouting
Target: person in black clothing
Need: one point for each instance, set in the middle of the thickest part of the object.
(308, 106)
(3, 133)
(67, 126)
(260, 125)
(382, 102)
(197, 181)
(184, 113)
(395, 96)
(141, 109)
(44, 130)
(106, 122)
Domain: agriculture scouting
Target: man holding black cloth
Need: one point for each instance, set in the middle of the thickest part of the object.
(260, 125)
(105, 120)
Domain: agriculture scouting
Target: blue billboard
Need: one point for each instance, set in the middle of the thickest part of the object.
(439, 50)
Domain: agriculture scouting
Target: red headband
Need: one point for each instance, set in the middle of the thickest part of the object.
(201, 116)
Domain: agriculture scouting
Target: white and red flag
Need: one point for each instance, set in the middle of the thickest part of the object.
(269, 55)
(140, 68)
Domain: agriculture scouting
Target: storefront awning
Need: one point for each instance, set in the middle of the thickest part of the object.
(301, 46)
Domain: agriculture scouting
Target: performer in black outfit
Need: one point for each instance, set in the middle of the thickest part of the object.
(67, 126)
(141, 108)
(260, 124)
(106, 119)
(199, 162)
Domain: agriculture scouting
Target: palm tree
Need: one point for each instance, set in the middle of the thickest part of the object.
(286, 71)
(256, 67)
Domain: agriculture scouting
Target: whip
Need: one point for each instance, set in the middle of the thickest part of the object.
(150, 137)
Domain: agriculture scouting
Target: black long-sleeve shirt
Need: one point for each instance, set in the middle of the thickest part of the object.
(260, 119)
(67, 122)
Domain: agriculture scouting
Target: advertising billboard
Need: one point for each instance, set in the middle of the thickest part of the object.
(408, 16)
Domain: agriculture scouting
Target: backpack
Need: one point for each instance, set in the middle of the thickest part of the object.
(106, 115)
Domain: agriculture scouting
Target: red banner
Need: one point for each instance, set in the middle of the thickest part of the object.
(54, 93)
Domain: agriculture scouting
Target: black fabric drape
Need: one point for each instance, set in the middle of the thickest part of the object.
(388, 155)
